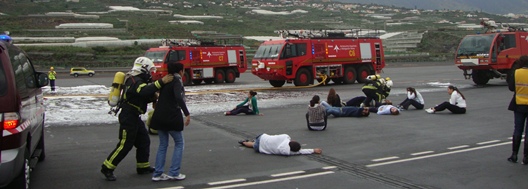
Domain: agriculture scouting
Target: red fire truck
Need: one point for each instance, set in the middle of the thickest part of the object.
(491, 54)
(204, 60)
(305, 55)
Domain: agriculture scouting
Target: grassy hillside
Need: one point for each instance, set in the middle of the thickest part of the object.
(26, 18)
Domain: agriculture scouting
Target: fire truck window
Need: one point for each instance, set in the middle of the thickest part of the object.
(181, 55)
(301, 49)
(289, 51)
(509, 41)
(175, 56)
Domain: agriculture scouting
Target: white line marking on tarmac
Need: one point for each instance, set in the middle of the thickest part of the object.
(226, 181)
(421, 153)
(436, 155)
(488, 142)
(289, 173)
(385, 159)
(458, 147)
(174, 187)
(330, 167)
(273, 180)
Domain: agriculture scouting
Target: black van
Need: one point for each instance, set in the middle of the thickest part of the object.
(21, 116)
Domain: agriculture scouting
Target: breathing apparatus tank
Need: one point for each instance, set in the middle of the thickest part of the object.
(115, 89)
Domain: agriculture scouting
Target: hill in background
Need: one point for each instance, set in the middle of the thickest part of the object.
(489, 6)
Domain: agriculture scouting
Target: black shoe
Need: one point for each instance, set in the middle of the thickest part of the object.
(513, 157)
(108, 173)
(525, 160)
(146, 170)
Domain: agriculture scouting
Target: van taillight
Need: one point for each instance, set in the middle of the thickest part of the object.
(10, 120)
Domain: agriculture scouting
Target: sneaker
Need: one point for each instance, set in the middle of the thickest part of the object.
(430, 110)
(162, 177)
(179, 177)
(146, 170)
(108, 173)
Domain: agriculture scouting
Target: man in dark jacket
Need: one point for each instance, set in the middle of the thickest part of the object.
(518, 82)
(132, 132)
(168, 120)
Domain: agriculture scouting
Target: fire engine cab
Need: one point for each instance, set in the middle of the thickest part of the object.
(304, 55)
(203, 58)
(492, 53)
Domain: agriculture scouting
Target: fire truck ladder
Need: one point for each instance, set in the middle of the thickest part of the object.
(329, 34)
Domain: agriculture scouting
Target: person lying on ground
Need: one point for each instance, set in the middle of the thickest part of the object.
(346, 111)
(277, 145)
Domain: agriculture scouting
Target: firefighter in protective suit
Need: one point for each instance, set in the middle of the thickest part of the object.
(138, 92)
(372, 84)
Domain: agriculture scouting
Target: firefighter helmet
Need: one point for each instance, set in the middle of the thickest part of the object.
(144, 65)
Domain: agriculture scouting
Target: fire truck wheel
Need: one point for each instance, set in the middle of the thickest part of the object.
(186, 78)
(362, 73)
(197, 81)
(303, 78)
(230, 76)
(480, 77)
(350, 75)
(277, 83)
(219, 76)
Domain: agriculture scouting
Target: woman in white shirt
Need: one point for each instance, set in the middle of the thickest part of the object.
(414, 98)
(456, 104)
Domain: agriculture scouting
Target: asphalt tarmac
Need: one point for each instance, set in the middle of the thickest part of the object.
(411, 150)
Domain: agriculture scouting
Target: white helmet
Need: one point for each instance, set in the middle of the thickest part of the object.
(144, 65)
(389, 83)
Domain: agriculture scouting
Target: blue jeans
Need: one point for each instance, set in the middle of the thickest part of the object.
(257, 143)
(174, 169)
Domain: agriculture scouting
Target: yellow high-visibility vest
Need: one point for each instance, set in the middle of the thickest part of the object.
(51, 75)
(521, 86)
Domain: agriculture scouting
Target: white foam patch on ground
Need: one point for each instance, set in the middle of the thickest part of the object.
(87, 105)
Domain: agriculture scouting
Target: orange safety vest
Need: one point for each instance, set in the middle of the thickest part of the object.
(521, 86)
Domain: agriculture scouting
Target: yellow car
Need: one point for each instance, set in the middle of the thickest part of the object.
(77, 71)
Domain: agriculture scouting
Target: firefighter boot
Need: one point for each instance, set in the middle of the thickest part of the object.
(108, 173)
(145, 170)
(516, 143)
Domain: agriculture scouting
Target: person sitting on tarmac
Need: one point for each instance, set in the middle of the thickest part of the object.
(316, 117)
(414, 98)
(346, 111)
(333, 98)
(249, 106)
(277, 145)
